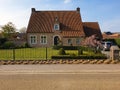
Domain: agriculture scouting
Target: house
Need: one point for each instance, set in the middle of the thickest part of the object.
(49, 28)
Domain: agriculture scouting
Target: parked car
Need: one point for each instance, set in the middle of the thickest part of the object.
(106, 45)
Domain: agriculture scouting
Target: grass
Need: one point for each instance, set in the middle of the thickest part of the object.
(34, 53)
(30, 53)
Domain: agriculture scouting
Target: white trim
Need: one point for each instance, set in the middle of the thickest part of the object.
(78, 42)
(69, 42)
(43, 36)
(35, 39)
(57, 26)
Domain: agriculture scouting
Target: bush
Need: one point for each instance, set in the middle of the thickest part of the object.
(62, 51)
(2, 40)
(8, 45)
(117, 42)
(79, 57)
(57, 47)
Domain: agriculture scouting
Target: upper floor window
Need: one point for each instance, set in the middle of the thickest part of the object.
(43, 39)
(56, 26)
(33, 39)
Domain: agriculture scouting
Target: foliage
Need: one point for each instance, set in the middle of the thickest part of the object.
(114, 41)
(117, 42)
(57, 47)
(91, 41)
(39, 53)
(2, 41)
(62, 51)
(8, 29)
(79, 57)
(8, 45)
(111, 40)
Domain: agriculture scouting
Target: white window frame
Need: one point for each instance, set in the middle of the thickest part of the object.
(33, 39)
(77, 41)
(43, 40)
(58, 27)
(69, 41)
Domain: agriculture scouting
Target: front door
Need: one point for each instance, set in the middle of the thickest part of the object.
(56, 40)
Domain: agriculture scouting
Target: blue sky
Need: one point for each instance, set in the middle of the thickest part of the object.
(106, 12)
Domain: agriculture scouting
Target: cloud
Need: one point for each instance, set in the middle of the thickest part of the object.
(67, 1)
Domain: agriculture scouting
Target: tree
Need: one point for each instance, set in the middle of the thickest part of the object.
(91, 42)
(8, 29)
(23, 30)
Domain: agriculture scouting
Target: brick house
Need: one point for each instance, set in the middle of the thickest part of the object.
(49, 28)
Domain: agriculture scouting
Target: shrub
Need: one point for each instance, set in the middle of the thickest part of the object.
(2, 40)
(8, 45)
(79, 57)
(57, 47)
(117, 42)
(62, 51)
(27, 45)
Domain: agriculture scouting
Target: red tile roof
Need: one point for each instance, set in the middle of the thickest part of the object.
(91, 28)
(43, 22)
(70, 22)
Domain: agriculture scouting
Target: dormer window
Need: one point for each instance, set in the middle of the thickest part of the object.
(56, 26)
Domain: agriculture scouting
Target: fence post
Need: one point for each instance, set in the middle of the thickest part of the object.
(13, 54)
(46, 53)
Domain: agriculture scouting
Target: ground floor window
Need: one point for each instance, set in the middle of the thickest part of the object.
(77, 41)
(70, 41)
(43, 39)
(33, 39)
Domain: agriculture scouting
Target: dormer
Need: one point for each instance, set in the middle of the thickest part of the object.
(56, 24)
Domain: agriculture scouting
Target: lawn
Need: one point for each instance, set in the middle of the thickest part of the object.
(30, 53)
(35, 53)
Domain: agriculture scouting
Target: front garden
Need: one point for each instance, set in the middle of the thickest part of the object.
(49, 53)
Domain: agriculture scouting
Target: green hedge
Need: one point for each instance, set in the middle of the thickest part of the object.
(117, 42)
(79, 57)
(66, 47)
(73, 48)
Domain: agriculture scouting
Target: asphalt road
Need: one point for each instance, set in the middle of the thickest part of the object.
(73, 68)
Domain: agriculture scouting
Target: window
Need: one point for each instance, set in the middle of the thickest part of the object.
(77, 41)
(70, 41)
(56, 27)
(43, 39)
(33, 39)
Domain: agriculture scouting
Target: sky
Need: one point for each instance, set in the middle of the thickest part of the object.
(105, 12)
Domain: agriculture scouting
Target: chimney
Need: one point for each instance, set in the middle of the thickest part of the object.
(33, 9)
(78, 10)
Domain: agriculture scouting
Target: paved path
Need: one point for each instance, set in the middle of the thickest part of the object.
(52, 69)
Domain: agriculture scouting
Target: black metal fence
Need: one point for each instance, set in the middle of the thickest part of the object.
(31, 53)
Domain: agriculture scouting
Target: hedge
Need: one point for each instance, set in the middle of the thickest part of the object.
(73, 48)
(66, 47)
(79, 57)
